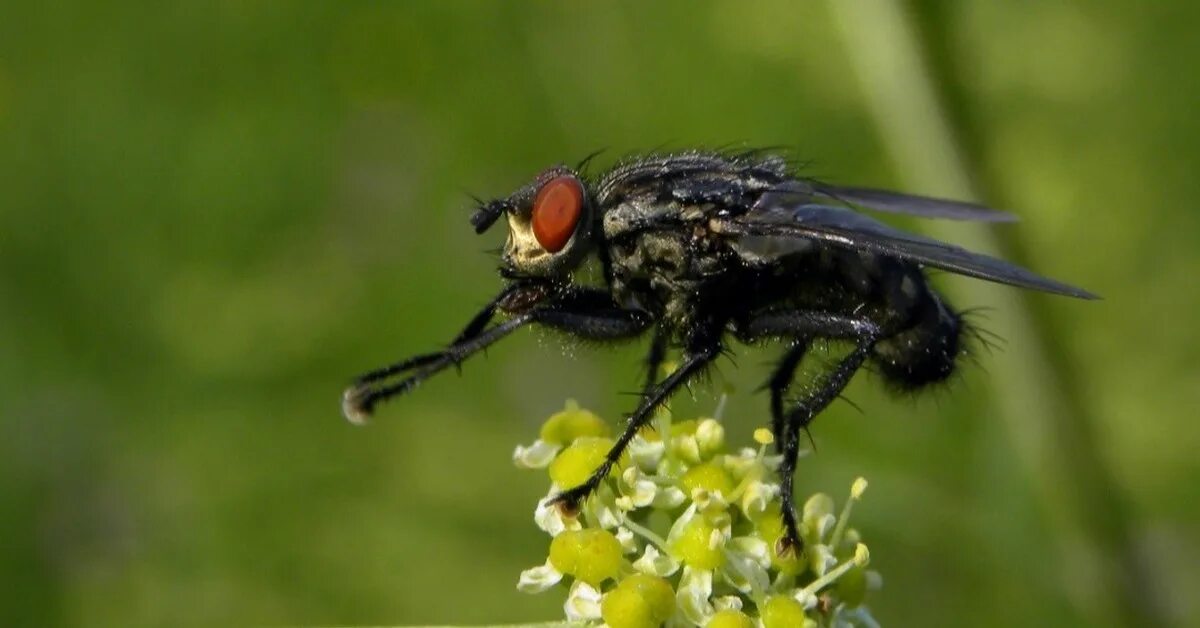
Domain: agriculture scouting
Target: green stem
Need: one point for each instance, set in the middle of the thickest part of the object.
(829, 578)
(839, 530)
(646, 533)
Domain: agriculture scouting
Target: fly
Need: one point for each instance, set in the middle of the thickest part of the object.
(699, 249)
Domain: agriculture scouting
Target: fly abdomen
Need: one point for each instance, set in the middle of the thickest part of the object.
(926, 350)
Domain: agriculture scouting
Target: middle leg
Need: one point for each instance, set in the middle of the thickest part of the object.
(695, 360)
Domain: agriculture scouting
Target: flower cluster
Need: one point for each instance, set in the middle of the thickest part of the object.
(685, 533)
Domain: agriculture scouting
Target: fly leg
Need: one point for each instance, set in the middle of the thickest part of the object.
(360, 400)
(695, 359)
(823, 392)
(581, 312)
(654, 359)
(781, 380)
(803, 326)
(473, 329)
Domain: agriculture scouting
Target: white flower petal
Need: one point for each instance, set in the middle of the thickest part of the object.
(741, 463)
(744, 573)
(758, 494)
(695, 587)
(604, 505)
(727, 603)
(680, 523)
(646, 453)
(752, 548)
(549, 518)
(668, 497)
(816, 506)
(629, 476)
(629, 542)
(709, 501)
(710, 436)
(806, 599)
(820, 559)
(539, 579)
(638, 488)
(655, 563)
(535, 456)
(874, 580)
(686, 447)
(824, 524)
(583, 602)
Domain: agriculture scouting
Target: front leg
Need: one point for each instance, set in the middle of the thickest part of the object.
(359, 400)
(517, 291)
(585, 313)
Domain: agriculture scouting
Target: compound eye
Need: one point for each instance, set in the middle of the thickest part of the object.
(556, 212)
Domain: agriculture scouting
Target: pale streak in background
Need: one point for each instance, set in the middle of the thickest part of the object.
(1103, 574)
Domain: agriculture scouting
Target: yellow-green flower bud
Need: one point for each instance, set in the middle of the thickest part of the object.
(862, 556)
(573, 422)
(592, 555)
(638, 601)
(791, 563)
(710, 436)
(782, 611)
(672, 468)
(711, 476)
(769, 522)
(576, 463)
(700, 544)
(817, 506)
(684, 428)
(820, 559)
(729, 618)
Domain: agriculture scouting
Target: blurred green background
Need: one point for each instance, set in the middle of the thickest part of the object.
(212, 215)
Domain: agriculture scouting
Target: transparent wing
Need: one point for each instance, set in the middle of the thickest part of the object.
(897, 203)
(778, 215)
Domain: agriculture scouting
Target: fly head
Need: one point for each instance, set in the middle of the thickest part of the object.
(549, 224)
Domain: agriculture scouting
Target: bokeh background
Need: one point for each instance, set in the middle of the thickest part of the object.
(213, 214)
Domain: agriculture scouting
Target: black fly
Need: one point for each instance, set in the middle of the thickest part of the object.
(701, 247)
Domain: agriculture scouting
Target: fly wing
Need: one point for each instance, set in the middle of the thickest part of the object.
(897, 203)
(778, 215)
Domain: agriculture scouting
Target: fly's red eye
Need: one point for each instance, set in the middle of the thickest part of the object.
(556, 212)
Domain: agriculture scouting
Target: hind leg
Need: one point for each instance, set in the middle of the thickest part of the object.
(824, 392)
(781, 380)
(786, 426)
